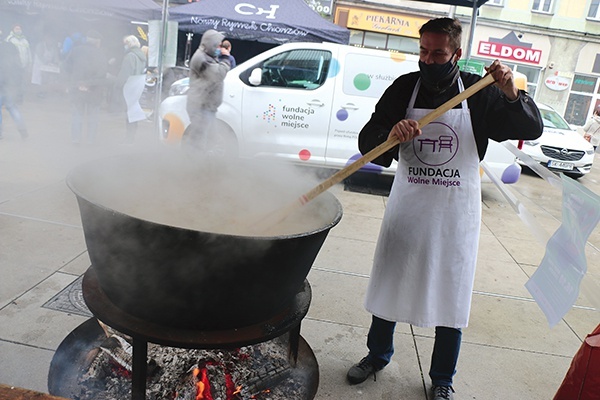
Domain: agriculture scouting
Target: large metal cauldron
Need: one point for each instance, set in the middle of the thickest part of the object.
(183, 277)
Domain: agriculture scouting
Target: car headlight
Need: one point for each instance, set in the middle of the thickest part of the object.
(590, 151)
(178, 90)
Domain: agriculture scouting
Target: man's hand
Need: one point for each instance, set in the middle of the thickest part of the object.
(504, 79)
(405, 130)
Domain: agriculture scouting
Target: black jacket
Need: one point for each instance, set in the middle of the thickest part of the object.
(492, 115)
(10, 69)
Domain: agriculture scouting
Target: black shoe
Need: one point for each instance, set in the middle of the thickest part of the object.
(442, 393)
(361, 371)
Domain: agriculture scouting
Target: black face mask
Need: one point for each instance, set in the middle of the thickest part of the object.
(434, 75)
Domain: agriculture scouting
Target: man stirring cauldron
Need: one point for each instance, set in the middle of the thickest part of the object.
(424, 263)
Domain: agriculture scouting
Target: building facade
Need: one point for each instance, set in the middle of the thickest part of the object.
(555, 43)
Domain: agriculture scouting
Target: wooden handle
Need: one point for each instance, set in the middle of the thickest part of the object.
(390, 143)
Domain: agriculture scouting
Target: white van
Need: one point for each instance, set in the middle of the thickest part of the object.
(306, 103)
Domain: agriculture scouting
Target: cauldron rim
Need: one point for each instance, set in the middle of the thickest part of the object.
(334, 221)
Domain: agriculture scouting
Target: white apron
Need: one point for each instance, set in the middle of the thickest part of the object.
(132, 92)
(424, 263)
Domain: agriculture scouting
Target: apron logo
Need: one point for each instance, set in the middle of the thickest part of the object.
(436, 149)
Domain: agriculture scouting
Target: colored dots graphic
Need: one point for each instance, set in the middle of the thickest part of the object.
(270, 114)
(304, 155)
(342, 115)
(362, 81)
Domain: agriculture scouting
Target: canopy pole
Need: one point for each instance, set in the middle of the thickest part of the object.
(472, 30)
(159, 77)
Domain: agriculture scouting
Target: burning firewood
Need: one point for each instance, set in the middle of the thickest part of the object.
(247, 373)
(119, 350)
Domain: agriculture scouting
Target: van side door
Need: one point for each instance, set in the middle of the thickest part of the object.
(365, 75)
(286, 110)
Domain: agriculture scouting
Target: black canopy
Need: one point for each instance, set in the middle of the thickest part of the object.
(124, 10)
(267, 21)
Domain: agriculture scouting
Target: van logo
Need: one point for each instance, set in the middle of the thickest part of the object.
(249, 9)
(270, 114)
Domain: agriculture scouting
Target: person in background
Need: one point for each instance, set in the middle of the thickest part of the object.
(130, 83)
(10, 69)
(69, 42)
(424, 262)
(206, 91)
(86, 65)
(18, 39)
(591, 129)
(45, 69)
(226, 53)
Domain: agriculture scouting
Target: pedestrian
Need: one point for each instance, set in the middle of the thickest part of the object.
(72, 39)
(205, 93)
(591, 129)
(130, 83)
(45, 69)
(86, 66)
(10, 68)
(226, 53)
(18, 39)
(424, 262)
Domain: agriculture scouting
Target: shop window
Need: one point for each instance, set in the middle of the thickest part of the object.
(577, 109)
(403, 44)
(533, 76)
(594, 12)
(375, 40)
(543, 6)
(596, 66)
(582, 83)
(356, 38)
(585, 95)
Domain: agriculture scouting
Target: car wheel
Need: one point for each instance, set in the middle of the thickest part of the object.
(225, 143)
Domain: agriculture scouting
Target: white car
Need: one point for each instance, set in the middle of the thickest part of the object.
(306, 103)
(560, 148)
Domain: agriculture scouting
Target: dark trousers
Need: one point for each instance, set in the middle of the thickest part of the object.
(446, 348)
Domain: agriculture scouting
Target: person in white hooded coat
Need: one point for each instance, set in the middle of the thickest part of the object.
(206, 90)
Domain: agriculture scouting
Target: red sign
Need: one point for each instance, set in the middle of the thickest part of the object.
(509, 52)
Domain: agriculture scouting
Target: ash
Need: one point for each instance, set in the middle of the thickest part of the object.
(261, 372)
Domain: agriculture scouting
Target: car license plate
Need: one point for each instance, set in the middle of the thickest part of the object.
(560, 165)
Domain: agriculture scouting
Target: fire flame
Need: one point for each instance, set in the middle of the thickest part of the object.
(203, 389)
(202, 384)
